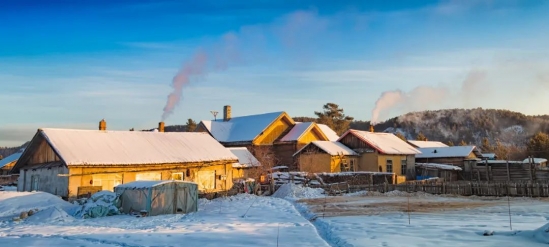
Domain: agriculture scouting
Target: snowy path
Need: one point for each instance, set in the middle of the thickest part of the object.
(218, 223)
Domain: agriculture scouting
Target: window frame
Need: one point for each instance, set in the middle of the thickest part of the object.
(389, 163)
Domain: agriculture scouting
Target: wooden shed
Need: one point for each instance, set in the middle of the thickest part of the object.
(326, 156)
(72, 163)
(462, 156)
(432, 170)
(247, 166)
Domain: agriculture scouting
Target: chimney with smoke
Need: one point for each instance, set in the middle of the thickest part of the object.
(102, 124)
(226, 113)
(371, 128)
(161, 127)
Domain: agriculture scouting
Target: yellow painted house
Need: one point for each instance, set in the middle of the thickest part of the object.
(71, 163)
(326, 156)
(276, 131)
(381, 152)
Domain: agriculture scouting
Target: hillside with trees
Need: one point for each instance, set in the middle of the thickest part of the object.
(7, 151)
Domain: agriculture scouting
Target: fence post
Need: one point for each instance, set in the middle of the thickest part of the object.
(508, 172)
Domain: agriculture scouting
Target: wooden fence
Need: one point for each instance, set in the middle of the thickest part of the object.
(515, 189)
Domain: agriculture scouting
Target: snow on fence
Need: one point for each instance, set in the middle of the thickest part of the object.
(514, 189)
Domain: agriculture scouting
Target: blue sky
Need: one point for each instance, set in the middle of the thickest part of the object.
(68, 64)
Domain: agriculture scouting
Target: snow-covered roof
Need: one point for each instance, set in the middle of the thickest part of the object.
(445, 152)
(148, 184)
(245, 157)
(489, 155)
(297, 131)
(12, 158)
(329, 132)
(536, 161)
(93, 147)
(427, 144)
(331, 148)
(240, 129)
(386, 143)
(439, 166)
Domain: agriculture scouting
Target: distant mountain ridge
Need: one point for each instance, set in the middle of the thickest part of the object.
(468, 125)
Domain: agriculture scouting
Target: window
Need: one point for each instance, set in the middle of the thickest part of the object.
(178, 176)
(352, 165)
(148, 176)
(107, 181)
(206, 180)
(403, 167)
(389, 166)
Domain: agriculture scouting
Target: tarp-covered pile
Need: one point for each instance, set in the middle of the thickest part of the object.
(100, 204)
(158, 197)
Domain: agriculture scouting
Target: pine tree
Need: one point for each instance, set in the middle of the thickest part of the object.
(501, 151)
(538, 145)
(451, 143)
(401, 136)
(486, 147)
(334, 117)
(421, 137)
(463, 143)
(1, 157)
(190, 125)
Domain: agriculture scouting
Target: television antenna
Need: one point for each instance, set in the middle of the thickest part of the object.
(214, 113)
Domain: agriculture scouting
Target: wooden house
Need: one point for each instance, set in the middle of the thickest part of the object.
(71, 163)
(426, 144)
(275, 131)
(462, 156)
(247, 166)
(381, 152)
(326, 156)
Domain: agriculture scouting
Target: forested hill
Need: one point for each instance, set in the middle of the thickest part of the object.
(468, 125)
(7, 151)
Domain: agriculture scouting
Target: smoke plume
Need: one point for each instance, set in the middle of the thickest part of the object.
(426, 97)
(196, 66)
(295, 31)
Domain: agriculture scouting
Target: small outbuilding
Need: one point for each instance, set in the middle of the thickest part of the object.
(158, 197)
(434, 170)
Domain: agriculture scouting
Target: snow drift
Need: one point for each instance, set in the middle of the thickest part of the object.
(51, 214)
(293, 191)
(13, 203)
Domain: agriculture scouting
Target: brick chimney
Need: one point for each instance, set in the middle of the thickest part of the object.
(371, 128)
(161, 127)
(226, 113)
(103, 125)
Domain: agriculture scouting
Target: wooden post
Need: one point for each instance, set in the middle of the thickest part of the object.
(487, 171)
(530, 160)
(508, 172)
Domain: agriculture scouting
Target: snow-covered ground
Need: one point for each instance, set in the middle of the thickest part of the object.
(372, 219)
(243, 220)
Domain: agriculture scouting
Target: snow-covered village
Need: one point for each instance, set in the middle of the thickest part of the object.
(274, 123)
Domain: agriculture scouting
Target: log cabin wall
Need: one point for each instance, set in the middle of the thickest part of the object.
(45, 178)
(284, 152)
